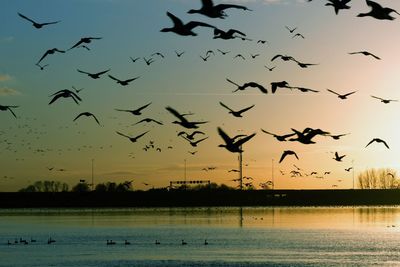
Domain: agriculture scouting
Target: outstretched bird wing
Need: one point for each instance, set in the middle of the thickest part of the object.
(177, 22)
(81, 71)
(123, 135)
(349, 93)
(333, 92)
(9, 108)
(255, 85)
(143, 107)
(79, 115)
(102, 72)
(221, 7)
(275, 57)
(193, 24)
(244, 140)
(176, 114)
(130, 80)
(377, 97)
(264, 131)
(225, 106)
(246, 109)
(25, 17)
(115, 79)
(224, 136)
(140, 135)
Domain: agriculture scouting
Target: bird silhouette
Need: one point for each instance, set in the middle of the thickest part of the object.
(148, 61)
(179, 54)
(240, 56)
(134, 59)
(123, 82)
(304, 65)
(42, 67)
(307, 135)
(149, 120)
(50, 52)
(192, 152)
(338, 5)
(291, 30)
(338, 158)
(276, 85)
(286, 153)
(365, 53)
(36, 24)
(281, 138)
(77, 90)
(238, 113)
(65, 94)
(298, 35)
(158, 54)
(254, 56)
(231, 144)
(134, 138)
(226, 35)
(378, 12)
(341, 96)
(378, 140)
(348, 169)
(183, 121)
(184, 29)
(87, 114)
(137, 111)
(190, 136)
(262, 42)
(204, 58)
(283, 57)
(305, 90)
(94, 75)
(249, 84)
(195, 143)
(9, 108)
(338, 136)
(270, 69)
(223, 52)
(85, 40)
(385, 101)
(215, 11)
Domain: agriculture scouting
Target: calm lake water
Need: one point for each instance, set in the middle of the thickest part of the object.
(356, 236)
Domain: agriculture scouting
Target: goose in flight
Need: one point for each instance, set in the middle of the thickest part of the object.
(283, 57)
(50, 52)
(348, 169)
(204, 58)
(231, 144)
(190, 136)
(337, 136)
(378, 140)
(87, 114)
(36, 24)
(365, 53)
(179, 54)
(338, 158)
(378, 12)
(65, 93)
(42, 67)
(184, 29)
(281, 138)
(238, 113)
(304, 65)
(134, 59)
(137, 111)
(385, 101)
(183, 121)
(9, 108)
(223, 52)
(94, 75)
(77, 90)
(341, 96)
(338, 5)
(148, 61)
(157, 54)
(226, 35)
(307, 135)
(249, 84)
(276, 85)
(240, 56)
(215, 11)
(270, 69)
(305, 90)
(125, 82)
(149, 120)
(85, 40)
(298, 35)
(195, 143)
(291, 30)
(286, 153)
(134, 138)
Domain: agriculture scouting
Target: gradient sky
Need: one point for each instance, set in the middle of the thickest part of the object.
(45, 135)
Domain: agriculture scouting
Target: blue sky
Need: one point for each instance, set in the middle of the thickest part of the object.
(132, 29)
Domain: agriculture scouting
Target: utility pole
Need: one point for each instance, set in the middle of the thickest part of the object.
(241, 169)
(92, 174)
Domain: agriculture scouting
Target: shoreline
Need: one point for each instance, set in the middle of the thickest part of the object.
(202, 198)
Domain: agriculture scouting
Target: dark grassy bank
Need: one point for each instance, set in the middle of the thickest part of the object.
(181, 198)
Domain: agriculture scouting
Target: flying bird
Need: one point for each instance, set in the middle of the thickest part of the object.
(94, 75)
(298, 35)
(132, 139)
(85, 40)
(87, 114)
(238, 113)
(305, 90)
(378, 12)
(158, 54)
(281, 138)
(338, 158)
(286, 153)
(365, 53)
(179, 54)
(215, 11)
(231, 144)
(348, 169)
(42, 67)
(9, 108)
(249, 84)
(194, 143)
(134, 59)
(36, 24)
(184, 29)
(190, 136)
(338, 136)
(338, 5)
(283, 57)
(148, 61)
(183, 121)
(123, 82)
(240, 56)
(223, 52)
(276, 85)
(137, 111)
(50, 52)
(65, 94)
(270, 69)
(226, 35)
(291, 30)
(149, 120)
(385, 101)
(378, 140)
(341, 96)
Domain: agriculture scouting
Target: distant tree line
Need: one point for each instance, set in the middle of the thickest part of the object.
(46, 186)
(378, 179)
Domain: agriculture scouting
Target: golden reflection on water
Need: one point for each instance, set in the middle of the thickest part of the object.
(260, 217)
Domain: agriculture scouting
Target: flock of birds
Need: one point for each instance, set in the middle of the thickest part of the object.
(189, 127)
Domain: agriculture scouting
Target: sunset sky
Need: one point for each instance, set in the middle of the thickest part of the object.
(45, 135)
